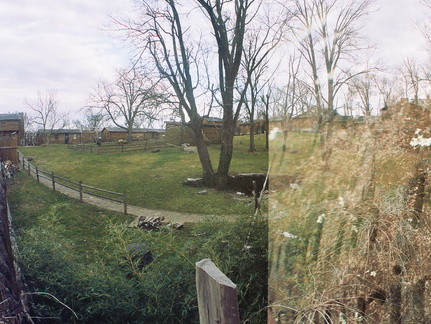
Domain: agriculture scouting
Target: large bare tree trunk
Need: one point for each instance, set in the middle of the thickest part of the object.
(204, 157)
(226, 149)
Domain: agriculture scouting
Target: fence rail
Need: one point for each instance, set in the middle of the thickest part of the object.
(79, 187)
(115, 147)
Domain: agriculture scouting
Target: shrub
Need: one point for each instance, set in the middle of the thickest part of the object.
(114, 289)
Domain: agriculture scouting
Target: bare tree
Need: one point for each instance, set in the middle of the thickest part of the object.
(229, 34)
(412, 75)
(389, 89)
(258, 47)
(266, 100)
(289, 100)
(425, 27)
(132, 96)
(363, 86)
(47, 115)
(328, 38)
(164, 31)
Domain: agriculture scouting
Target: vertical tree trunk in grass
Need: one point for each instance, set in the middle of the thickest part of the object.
(217, 295)
(226, 152)
(204, 157)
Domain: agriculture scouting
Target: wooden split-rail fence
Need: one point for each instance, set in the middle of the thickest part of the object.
(79, 187)
(119, 147)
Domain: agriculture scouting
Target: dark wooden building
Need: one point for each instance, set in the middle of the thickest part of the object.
(113, 134)
(178, 133)
(60, 136)
(11, 135)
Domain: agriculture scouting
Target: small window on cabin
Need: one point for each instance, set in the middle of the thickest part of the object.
(74, 136)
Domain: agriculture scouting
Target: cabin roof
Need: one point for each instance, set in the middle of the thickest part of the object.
(135, 130)
(6, 117)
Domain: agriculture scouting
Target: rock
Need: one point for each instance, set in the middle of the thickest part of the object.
(194, 182)
(203, 192)
(158, 176)
(155, 151)
(153, 223)
(190, 149)
(140, 253)
(294, 186)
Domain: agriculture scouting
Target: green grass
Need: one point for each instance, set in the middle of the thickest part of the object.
(153, 180)
(76, 252)
(82, 223)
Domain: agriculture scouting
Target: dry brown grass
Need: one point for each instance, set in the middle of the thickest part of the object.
(367, 245)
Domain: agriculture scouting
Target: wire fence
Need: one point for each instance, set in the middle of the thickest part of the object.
(120, 146)
(79, 187)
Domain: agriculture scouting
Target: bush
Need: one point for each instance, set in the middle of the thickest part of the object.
(114, 289)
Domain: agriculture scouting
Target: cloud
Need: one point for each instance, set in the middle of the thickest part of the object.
(55, 45)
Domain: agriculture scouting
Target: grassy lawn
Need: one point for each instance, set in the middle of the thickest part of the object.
(78, 253)
(153, 180)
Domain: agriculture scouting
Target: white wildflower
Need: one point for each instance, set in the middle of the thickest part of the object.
(321, 218)
(341, 201)
(420, 141)
(287, 234)
(373, 273)
(355, 229)
(342, 318)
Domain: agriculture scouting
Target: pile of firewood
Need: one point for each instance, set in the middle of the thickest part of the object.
(153, 223)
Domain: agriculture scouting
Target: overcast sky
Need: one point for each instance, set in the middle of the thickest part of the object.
(53, 44)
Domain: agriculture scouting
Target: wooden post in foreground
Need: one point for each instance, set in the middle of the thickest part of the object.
(217, 295)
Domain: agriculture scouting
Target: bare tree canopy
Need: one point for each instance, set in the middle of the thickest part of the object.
(133, 96)
(328, 37)
(46, 113)
(164, 34)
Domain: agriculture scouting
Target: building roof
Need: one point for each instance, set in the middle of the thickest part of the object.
(62, 131)
(135, 130)
(212, 119)
(4, 117)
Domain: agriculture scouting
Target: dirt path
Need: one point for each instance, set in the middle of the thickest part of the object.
(169, 216)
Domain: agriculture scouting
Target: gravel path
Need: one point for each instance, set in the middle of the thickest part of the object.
(169, 216)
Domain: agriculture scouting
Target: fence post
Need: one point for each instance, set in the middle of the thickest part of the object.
(53, 180)
(125, 203)
(80, 191)
(28, 166)
(217, 295)
(23, 163)
(37, 174)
